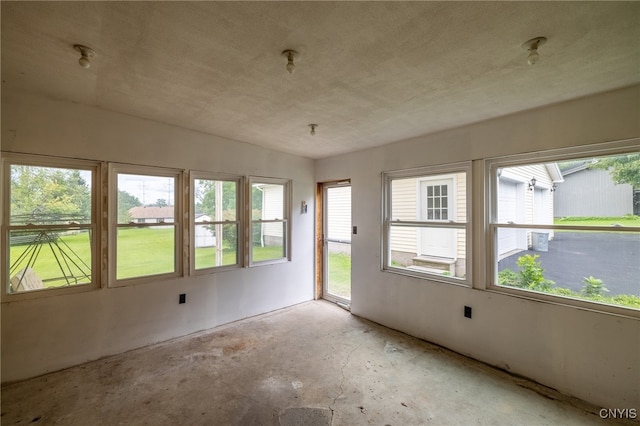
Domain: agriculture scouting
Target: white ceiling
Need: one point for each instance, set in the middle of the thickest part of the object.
(369, 73)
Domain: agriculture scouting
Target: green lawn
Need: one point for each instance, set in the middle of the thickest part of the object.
(339, 275)
(145, 251)
(149, 251)
(140, 252)
(629, 220)
(65, 256)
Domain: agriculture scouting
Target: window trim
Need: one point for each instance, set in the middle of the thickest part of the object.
(95, 167)
(119, 168)
(240, 191)
(286, 220)
(491, 181)
(424, 174)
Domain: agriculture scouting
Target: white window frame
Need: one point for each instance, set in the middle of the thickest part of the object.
(493, 166)
(286, 220)
(9, 159)
(423, 174)
(239, 181)
(114, 170)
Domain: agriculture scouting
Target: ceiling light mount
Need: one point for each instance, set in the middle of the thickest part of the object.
(85, 54)
(532, 47)
(290, 55)
(313, 129)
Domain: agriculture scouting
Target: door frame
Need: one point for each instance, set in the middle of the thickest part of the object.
(452, 182)
(321, 264)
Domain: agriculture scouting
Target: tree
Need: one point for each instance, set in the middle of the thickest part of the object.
(160, 202)
(622, 168)
(49, 195)
(125, 202)
(206, 203)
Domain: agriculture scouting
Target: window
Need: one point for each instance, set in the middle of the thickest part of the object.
(50, 217)
(270, 206)
(216, 237)
(567, 226)
(426, 226)
(146, 239)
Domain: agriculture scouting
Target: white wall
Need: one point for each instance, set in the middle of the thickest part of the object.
(591, 355)
(50, 333)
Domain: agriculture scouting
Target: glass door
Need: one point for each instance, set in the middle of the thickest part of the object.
(337, 242)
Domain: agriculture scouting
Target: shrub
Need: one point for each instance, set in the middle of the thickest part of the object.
(532, 274)
(509, 278)
(593, 287)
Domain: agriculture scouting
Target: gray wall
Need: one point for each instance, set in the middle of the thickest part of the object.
(592, 192)
(588, 354)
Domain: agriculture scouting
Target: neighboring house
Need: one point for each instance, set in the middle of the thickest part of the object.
(204, 237)
(575, 196)
(151, 214)
(438, 245)
(518, 203)
(272, 208)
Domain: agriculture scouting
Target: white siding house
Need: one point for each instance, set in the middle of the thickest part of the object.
(272, 208)
(153, 214)
(525, 197)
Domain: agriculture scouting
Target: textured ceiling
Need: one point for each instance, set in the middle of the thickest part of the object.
(369, 73)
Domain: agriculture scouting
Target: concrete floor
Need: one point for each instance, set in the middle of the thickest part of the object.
(312, 364)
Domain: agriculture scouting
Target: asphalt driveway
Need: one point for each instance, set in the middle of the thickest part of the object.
(612, 257)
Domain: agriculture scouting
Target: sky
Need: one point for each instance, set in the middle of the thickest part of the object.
(148, 189)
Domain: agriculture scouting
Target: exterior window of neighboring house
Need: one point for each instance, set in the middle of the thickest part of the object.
(50, 233)
(426, 225)
(145, 238)
(270, 207)
(563, 226)
(216, 206)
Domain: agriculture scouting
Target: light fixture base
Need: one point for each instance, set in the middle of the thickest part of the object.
(85, 51)
(534, 43)
(290, 55)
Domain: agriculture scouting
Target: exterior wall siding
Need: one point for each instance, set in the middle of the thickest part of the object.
(592, 192)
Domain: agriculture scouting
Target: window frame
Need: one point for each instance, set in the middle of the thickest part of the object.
(240, 245)
(116, 169)
(286, 220)
(424, 174)
(491, 182)
(95, 167)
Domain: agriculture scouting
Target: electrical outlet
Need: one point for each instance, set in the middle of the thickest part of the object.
(355, 230)
(182, 298)
(467, 311)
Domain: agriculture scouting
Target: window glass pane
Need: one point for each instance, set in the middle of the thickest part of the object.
(595, 191)
(416, 198)
(210, 251)
(596, 266)
(145, 251)
(215, 200)
(49, 195)
(268, 241)
(439, 251)
(146, 199)
(267, 201)
(48, 258)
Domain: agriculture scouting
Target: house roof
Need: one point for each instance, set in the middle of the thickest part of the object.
(368, 73)
(152, 212)
(583, 165)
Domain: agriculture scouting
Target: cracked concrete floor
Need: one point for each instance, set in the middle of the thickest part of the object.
(312, 364)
